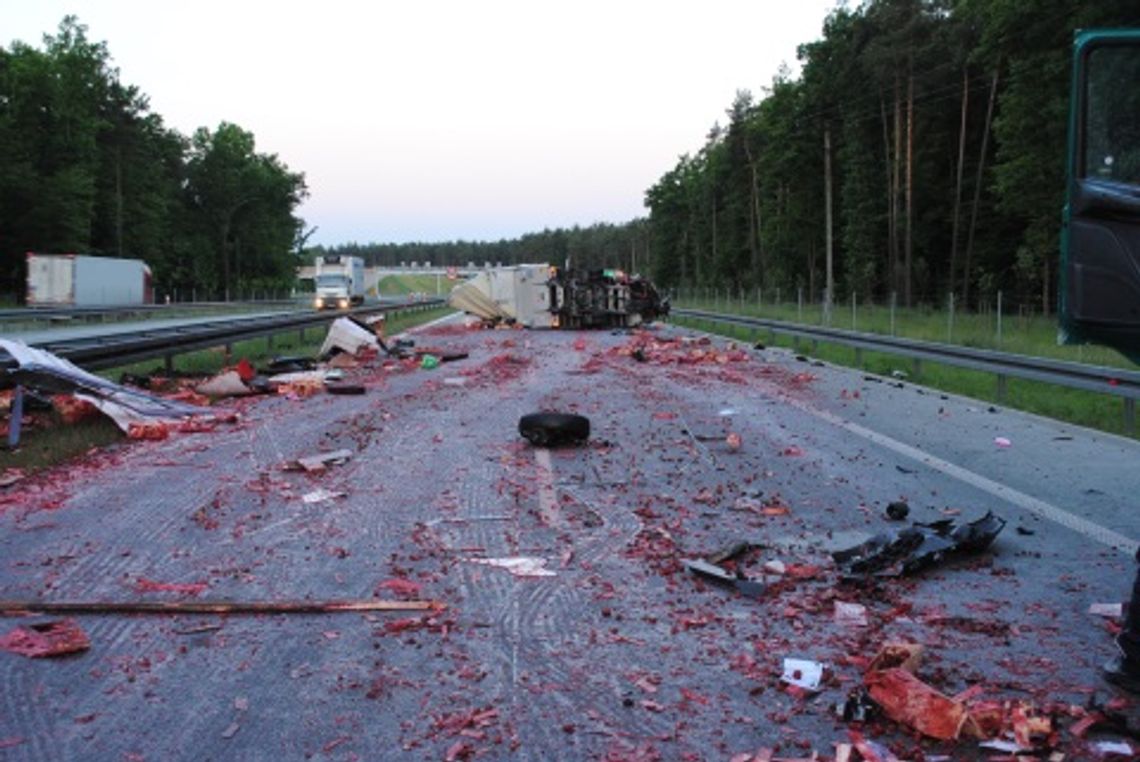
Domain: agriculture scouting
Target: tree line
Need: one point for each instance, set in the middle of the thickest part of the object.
(86, 167)
(927, 136)
(597, 246)
(936, 129)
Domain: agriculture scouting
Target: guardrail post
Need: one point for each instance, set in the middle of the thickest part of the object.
(301, 334)
(800, 305)
(269, 342)
(859, 358)
(168, 362)
(16, 418)
(1130, 416)
(1002, 386)
(893, 301)
(916, 366)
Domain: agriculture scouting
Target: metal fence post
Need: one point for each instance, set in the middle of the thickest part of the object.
(1130, 416)
(950, 324)
(893, 304)
(1002, 387)
(854, 317)
(999, 318)
(800, 305)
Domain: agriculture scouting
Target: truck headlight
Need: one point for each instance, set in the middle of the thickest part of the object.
(319, 303)
(344, 304)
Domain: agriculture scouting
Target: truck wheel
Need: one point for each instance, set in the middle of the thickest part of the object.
(551, 429)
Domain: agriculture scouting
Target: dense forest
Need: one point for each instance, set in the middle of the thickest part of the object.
(931, 133)
(927, 135)
(86, 167)
(597, 246)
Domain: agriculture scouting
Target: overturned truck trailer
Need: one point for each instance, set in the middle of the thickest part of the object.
(541, 296)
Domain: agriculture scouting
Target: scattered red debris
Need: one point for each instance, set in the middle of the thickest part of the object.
(71, 409)
(150, 430)
(56, 638)
(144, 585)
(245, 370)
(400, 587)
(906, 699)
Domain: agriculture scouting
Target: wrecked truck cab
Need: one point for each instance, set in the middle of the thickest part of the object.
(542, 296)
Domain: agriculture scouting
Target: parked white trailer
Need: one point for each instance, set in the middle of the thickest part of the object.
(80, 280)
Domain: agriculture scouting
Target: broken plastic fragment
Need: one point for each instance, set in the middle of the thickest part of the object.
(228, 384)
(906, 551)
(803, 673)
(1122, 748)
(851, 614)
(519, 566)
(348, 336)
(320, 461)
(321, 495)
(1110, 610)
(719, 575)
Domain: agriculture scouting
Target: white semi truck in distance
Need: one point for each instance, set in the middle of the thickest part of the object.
(338, 282)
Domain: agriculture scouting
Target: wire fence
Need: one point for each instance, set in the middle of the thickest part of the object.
(997, 324)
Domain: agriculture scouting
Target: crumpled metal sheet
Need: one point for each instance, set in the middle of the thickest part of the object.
(45, 372)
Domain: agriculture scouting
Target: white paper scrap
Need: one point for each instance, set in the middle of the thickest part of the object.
(803, 673)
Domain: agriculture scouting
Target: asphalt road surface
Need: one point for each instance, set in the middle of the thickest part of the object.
(602, 646)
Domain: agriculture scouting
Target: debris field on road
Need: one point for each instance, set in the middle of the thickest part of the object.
(710, 574)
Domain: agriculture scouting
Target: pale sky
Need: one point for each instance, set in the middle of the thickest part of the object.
(436, 121)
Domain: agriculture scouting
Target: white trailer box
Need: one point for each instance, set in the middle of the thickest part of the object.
(79, 280)
(519, 294)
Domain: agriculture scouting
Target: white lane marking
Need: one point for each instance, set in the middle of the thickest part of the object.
(547, 498)
(1035, 506)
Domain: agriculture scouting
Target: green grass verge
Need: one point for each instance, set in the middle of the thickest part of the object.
(1034, 335)
(55, 443)
(402, 285)
(1098, 411)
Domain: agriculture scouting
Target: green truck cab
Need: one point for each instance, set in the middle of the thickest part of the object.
(1100, 238)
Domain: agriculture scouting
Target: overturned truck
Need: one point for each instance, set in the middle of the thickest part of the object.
(541, 296)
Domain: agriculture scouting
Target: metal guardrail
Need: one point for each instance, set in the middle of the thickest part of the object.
(108, 351)
(115, 311)
(1094, 378)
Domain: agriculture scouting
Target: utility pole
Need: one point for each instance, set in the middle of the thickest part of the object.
(829, 294)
